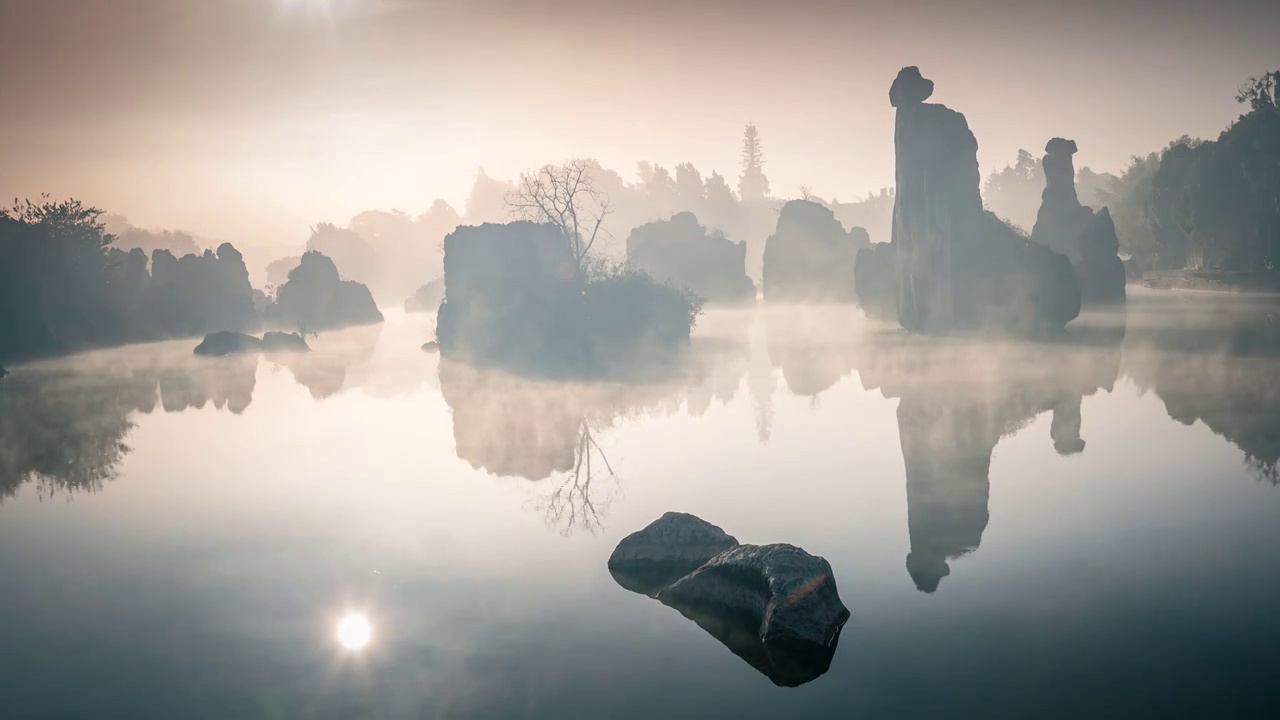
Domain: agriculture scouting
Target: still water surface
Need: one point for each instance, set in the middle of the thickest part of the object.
(1086, 527)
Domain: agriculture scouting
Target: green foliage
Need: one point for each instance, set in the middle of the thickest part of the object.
(63, 288)
(1217, 204)
(672, 311)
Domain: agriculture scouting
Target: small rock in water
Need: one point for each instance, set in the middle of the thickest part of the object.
(666, 550)
(775, 606)
(227, 343)
(276, 342)
(3, 372)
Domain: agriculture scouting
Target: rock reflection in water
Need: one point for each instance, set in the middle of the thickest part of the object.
(63, 423)
(957, 399)
(549, 431)
(774, 606)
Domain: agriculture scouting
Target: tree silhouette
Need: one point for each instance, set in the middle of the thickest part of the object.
(752, 184)
(564, 196)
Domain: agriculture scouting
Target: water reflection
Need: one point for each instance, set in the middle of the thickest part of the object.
(547, 431)
(1213, 360)
(958, 398)
(63, 423)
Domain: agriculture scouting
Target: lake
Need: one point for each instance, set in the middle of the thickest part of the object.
(1087, 526)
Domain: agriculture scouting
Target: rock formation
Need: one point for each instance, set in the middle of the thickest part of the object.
(278, 342)
(810, 257)
(876, 279)
(227, 343)
(958, 266)
(1086, 237)
(681, 252)
(775, 606)
(506, 288)
(516, 297)
(674, 545)
(317, 298)
(427, 298)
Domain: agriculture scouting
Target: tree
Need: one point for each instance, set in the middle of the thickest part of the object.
(564, 196)
(690, 190)
(1261, 92)
(752, 184)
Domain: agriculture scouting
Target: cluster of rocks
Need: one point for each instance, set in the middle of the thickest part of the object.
(683, 253)
(957, 265)
(775, 606)
(224, 342)
(810, 257)
(1087, 238)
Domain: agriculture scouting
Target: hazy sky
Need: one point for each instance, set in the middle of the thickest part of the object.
(248, 120)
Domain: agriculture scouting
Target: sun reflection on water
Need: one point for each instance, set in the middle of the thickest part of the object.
(354, 631)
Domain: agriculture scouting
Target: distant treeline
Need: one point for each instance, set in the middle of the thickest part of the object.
(65, 288)
(1194, 204)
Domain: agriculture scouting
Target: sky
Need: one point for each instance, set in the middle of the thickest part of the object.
(250, 120)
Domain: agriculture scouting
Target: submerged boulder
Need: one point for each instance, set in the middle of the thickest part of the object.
(427, 298)
(316, 298)
(666, 550)
(227, 343)
(775, 606)
(682, 252)
(810, 257)
(1086, 238)
(959, 266)
(278, 342)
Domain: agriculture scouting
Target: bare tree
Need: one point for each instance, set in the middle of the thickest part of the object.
(564, 196)
(579, 501)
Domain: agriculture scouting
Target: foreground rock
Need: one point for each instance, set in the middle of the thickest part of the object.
(669, 548)
(317, 298)
(681, 252)
(278, 342)
(223, 343)
(1088, 239)
(427, 298)
(810, 257)
(775, 606)
(3, 372)
(959, 266)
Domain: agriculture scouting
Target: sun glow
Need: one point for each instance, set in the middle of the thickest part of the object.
(354, 631)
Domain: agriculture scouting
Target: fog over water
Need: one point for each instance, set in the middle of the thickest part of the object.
(1051, 514)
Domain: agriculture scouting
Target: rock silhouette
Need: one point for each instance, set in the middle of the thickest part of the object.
(876, 279)
(810, 257)
(227, 343)
(959, 266)
(682, 252)
(516, 297)
(775, 606)
(427, 298)
(1086, 237)
(278, 342)
(317, 298)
